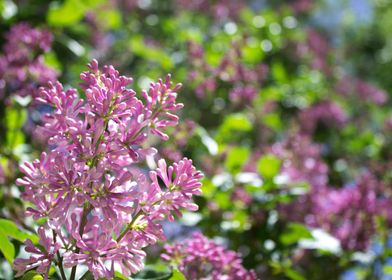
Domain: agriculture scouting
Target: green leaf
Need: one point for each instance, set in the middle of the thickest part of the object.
(269, 166)
(70, 12)
(236, 158)
(7, 248)
(208, 187)
(279, 73)
(15, 118)
(223, 200)
(233, 127)
(140, 48)
(273, 120)
(292, 274)
(387, 269)
(10, 229)
(1, 7)
(32, 275)
(119, 276)
(52, 61)
(111, 18)
(177, 275)
(294, 233)
(252, 54)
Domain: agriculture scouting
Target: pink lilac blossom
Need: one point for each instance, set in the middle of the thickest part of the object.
(22, 68)
(42, 256)
(327, 112)
(350, 213)
(90, 186)
(348, 86)
(244, 94)
(302, 161)
(240, 195)
(200, 258)
(317, 49)
(301, 164)
(2, 175)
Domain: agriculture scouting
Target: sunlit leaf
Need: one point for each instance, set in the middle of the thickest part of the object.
(177, 275)
(236, 158)
(32, 275)
(269, 166)
(7, 248)
(10, 229)
(294, 233)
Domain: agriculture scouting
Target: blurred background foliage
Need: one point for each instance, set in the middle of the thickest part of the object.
(287, 112)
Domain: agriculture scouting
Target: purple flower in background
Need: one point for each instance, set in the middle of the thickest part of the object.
(22, 68)
(350, 213)
(243, 94)
(350, 86)
(326, 112)
(200, 258)
(2, 175)
(302, 161)
(317, 49)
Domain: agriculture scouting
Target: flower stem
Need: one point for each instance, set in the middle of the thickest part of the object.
(59, 259)
(86, 210)
(129, 226)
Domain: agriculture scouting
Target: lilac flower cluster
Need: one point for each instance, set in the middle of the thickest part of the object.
(200, 258)
(100, 206)
(317, 49)
(350, 213)
(327, 113)
(302, 161)
(22, 68)
(350, 86)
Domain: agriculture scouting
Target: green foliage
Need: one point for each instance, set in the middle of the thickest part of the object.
(234, 126)
(69, 12)
(140, 48)
(268, 166)
(177, 275)
(236, 158)
(9, 229)
(15, 118)
(32, 275)
(294, 233)
(6, 247)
